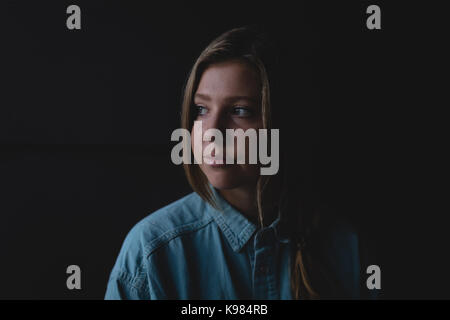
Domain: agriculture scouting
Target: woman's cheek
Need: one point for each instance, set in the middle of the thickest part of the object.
(196, 147)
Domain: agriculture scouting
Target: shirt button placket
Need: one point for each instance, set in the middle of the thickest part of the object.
(264, 277)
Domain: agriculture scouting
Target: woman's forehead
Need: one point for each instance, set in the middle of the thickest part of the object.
(229, 79)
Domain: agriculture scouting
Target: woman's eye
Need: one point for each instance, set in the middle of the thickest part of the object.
(241, 111)
(200, 110)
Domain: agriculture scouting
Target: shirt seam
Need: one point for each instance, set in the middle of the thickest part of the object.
(170, 235)
(133, 282)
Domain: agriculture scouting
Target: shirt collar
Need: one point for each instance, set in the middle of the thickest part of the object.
(235, 226)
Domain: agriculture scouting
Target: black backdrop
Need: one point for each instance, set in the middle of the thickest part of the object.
(86, 118)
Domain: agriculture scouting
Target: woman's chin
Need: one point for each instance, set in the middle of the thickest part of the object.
(224, 180)
(230, 177)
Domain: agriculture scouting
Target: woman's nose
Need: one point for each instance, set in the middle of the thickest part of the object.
(215, 120)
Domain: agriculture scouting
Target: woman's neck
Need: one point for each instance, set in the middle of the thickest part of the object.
(243, 199)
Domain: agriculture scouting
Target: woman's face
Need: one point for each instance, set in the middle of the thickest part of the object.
(229, 97)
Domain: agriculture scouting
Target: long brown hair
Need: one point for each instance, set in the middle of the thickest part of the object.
(274, 194)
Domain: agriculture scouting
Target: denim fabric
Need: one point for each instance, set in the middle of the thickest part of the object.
(189, 250)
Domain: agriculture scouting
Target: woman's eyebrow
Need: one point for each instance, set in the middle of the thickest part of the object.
(236, 98)
(202, 96)
(228, 99)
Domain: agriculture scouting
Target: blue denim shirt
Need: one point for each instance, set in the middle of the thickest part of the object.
(189, 250)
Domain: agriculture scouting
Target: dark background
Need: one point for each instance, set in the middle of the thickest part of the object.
(86, 118)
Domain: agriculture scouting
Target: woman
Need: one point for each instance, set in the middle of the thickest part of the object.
(240, 235)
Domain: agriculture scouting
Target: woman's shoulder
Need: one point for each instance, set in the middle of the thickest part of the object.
(160, 227)
(183, 212)
(341, 246)
(129, 276)
(336, 238)
(336, 228)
